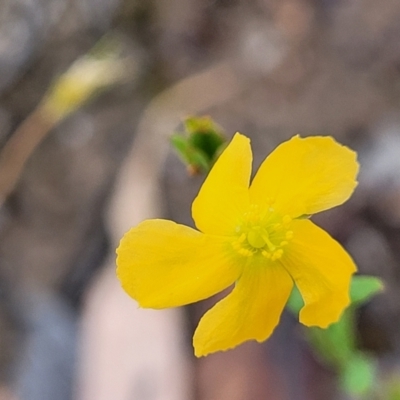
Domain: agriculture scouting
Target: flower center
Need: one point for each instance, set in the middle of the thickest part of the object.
(257, 237)
(263, 232)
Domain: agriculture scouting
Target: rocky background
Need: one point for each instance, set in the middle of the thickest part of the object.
(267, 68)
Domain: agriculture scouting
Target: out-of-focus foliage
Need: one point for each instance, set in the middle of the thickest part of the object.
(337, 345)
(100, 68)
(363, 288)
(200, 144)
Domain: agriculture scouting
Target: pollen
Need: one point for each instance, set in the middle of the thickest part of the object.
(277, 254)
(289, 235)
(262, 232)
(245, 252)
(266, 254)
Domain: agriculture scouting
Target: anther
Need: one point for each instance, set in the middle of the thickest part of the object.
(289, 235)
(266, 254)
(286, 219)
(277, 254)
(245, 252)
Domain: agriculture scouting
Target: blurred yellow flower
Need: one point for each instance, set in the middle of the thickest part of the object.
(256, 236)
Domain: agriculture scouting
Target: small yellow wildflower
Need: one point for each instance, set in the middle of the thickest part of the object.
(253, 235)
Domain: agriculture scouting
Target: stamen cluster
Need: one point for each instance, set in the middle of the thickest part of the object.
(263, 231)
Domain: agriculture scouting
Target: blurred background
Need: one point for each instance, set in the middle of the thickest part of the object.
(90, 91)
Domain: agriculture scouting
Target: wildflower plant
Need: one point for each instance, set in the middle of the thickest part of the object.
(255, 235)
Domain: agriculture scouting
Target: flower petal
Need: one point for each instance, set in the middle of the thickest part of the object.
(251, 311)
(306, 176)
(224, 196)
(322, 271)
(163, 264)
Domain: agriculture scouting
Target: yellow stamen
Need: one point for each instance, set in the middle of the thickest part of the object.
(289, 235)
(277, 254)
(266, 254)
(245, 252)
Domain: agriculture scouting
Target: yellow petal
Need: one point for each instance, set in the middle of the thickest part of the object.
(163, 264)
(251, 311)
(224, 196)
(306, 176)
(322, 271)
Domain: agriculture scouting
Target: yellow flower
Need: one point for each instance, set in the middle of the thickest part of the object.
(255, 236)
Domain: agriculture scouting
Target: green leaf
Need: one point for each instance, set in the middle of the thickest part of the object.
(208, 142)
(181, 145)
(201, 143)
(335, 344)
(295, 302)
(194, 158)
(358, 376)
(364, 287)
(392, 388)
